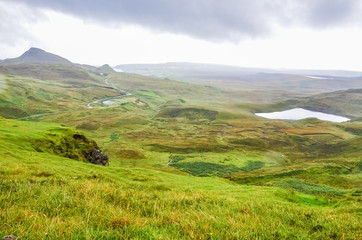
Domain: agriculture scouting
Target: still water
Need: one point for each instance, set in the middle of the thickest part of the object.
(300, 113)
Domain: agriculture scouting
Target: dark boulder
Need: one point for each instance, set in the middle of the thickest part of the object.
(80, 137)
(97, 157)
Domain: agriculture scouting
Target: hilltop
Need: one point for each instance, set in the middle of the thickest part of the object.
(105, 69)
(36, 55)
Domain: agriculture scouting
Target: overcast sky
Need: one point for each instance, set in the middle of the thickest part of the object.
(314, 34)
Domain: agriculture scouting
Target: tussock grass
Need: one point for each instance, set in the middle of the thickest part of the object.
(188, 113)
(43, 195)
(213, 169)
(309, 188)
(95, 203)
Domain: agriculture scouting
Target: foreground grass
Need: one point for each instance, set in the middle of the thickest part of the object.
(43, 196)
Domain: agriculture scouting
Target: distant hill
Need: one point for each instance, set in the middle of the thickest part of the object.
(347, 103)
(201, 69)
(105, 70)
(49, 71)
(241, 78)
(40, 64)
(36, 55)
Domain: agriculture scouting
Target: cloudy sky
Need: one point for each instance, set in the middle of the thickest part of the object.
(313, 34)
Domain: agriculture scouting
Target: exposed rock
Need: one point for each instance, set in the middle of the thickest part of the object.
(72, 145)
(10, 237)
(80, 137)
(97, 157)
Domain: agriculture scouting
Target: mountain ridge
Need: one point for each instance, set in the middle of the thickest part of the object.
(201, 67)
(231, 77)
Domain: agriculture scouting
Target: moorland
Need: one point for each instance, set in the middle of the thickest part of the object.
(188, 157)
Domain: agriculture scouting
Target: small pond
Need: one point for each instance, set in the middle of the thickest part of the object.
(109, 102)
(300, 113)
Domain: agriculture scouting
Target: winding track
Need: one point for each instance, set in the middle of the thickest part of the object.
(123, 94)
(110, 98)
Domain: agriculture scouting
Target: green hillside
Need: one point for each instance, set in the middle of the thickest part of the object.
(48, 196)
(186, 161)
(347, 103)
(105, 69)
(48, 88)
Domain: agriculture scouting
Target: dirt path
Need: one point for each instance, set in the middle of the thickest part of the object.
(123, 94)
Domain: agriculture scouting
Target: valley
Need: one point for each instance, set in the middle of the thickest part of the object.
(188, 158)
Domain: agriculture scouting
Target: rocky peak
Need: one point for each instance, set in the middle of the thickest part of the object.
(37, 55)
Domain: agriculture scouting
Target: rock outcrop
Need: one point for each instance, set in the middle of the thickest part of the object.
(97, 157)
(72, 145)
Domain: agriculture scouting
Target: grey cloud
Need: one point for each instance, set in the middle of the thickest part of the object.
(325, 13)
(211, 19)
(14, 21)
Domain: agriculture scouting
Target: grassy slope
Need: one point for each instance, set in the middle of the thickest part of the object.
(145, 128)
(139, 196)
(2, 83)
(170, 89)
(239, 146)
(47, 196)
(48, 88)
(347, 103)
